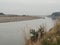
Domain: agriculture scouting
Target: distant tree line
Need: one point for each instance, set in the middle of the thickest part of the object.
(56, 14)
(2, 14)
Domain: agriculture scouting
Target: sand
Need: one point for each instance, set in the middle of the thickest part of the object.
(4, 18)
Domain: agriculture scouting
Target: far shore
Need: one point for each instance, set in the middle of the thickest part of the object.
(14, 18)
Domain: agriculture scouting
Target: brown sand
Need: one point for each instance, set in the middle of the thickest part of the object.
(16, 18)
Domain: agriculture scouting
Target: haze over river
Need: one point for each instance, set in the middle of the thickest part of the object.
(11, 33)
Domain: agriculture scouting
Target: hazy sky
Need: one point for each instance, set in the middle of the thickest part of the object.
(30, 7)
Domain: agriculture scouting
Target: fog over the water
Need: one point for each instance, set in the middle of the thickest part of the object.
(29, 7)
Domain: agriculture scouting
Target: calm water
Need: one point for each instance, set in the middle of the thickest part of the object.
(12, 33)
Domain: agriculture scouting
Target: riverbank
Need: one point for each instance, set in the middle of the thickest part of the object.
(13, 18)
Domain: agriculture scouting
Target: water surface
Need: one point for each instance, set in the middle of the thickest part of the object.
(12, 33)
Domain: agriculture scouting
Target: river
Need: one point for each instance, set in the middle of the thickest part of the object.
(12, 33)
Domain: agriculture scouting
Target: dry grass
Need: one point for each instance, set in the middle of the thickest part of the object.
(49, 38)
(37, 41)
(30, 42)
(53, 36)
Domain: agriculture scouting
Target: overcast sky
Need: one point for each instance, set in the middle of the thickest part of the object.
(30, 7)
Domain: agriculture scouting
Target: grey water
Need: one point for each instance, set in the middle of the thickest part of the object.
(12, 33)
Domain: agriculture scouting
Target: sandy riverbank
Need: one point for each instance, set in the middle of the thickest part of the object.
(16, 18)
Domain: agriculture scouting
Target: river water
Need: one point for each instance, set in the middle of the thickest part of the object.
(12, 33)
